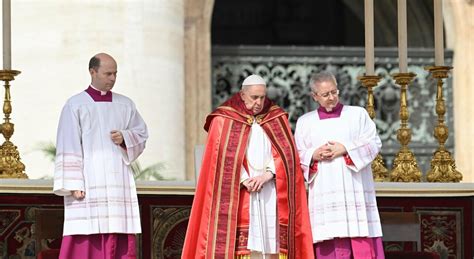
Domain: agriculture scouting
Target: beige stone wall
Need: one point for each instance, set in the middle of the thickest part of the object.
(198, 75)
(459, 25)
(52, 43)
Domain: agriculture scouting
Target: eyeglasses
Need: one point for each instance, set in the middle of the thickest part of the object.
(326, 94)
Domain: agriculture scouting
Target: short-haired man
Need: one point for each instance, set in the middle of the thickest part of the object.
(337, 144)
(99, 134)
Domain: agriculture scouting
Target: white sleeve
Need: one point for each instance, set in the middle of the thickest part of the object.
(244, 175)
(271, 166)
(68, 173)
(305, 151)
(134, 136)
(366, 145)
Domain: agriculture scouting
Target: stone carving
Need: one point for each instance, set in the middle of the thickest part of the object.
(169, 230)
(7, 218)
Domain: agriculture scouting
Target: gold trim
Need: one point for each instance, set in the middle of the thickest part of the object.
(219, 171)
(242, 120)
(248, 118)
(276, 116)
(235, 174)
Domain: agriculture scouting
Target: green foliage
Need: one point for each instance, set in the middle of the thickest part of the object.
(150, 173)
(48, 149)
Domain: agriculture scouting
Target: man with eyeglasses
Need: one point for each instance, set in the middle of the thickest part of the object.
(336, 144)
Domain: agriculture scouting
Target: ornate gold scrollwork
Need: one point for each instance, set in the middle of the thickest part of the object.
(378, 167)
(405, 168)
(10, 164)
(443, 167)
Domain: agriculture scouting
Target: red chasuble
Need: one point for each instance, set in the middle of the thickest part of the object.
(215, 228)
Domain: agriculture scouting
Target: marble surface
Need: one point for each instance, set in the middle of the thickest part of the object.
(387, 189)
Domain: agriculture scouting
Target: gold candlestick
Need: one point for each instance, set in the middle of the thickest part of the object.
(378, 167)
(10, 164)
(443, 167)
(405, 168)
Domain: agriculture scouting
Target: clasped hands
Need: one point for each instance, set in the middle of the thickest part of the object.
(255, 184)
(329, 151)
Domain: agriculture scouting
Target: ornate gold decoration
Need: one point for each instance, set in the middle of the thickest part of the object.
(378, 167)
(405, 168)
(443, 167)
(251, 119)
(10, 164)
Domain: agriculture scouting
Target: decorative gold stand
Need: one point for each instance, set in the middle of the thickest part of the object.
(405, 168)
(10, 164)
(443, 167)
(378, 167)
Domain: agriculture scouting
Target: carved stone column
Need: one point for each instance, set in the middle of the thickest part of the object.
(460, 38)
(197, 48)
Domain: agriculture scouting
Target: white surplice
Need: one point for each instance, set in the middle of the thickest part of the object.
(342, 201)
(88, 160)
(259, 160)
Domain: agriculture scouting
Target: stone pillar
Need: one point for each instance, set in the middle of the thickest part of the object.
(163, 56)
(197, 49)
(459, 24)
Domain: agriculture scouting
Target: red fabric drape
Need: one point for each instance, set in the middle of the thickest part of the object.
(212, 228)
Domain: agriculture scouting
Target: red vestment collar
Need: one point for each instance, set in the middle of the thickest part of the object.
(234, 108)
